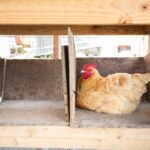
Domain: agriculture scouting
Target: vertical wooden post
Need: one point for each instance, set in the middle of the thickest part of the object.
(147, 68)
(147, 57)
(72, 75)
(4, 79)
(56, 46)
(148, 43)
(65, 73)
(18, 40)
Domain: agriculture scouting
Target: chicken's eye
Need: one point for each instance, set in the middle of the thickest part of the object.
(89, 71)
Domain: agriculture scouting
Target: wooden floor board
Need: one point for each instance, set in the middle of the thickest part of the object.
(32, 112)
(138, 119)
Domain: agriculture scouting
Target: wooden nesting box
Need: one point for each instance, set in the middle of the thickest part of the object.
(33, 93)
(85, 118)
(92, 131)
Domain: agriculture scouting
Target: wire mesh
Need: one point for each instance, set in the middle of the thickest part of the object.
(26, 47)
(37, 46)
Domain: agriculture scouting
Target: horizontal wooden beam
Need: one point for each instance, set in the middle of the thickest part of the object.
(77, 30)
(66, 137)
(75, 12)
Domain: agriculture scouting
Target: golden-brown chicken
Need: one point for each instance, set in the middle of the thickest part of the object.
(118, 93)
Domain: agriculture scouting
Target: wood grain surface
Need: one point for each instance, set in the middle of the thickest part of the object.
(75, 12)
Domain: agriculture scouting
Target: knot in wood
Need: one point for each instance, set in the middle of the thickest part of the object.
(145, 6)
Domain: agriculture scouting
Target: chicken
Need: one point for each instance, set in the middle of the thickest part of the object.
(119, 93)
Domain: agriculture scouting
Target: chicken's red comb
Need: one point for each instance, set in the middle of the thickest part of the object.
(89, 65)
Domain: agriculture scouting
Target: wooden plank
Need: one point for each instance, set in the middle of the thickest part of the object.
(65, 74)
(18, 40)
(72, 75)
(87, 118)
(76, 29)
(147, 68)
(4, 79)
(147, 57)
(147, 62)
(148, 43)
(56, 46)
(110, 65)
(66, 137)
(32, 112)
(33, 80)
(96, 12)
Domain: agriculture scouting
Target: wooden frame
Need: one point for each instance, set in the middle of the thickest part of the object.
(66, 137)
(69, 137)
(85, 17)
(64, 12)
(76, 29)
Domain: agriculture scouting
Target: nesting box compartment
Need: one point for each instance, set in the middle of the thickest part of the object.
(86, 118)
(138, 119)
(33, 93)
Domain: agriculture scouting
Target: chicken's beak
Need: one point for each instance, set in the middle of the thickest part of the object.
(82, 71)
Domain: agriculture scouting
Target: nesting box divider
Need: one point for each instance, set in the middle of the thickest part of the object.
(86, 118)
(72, 74)
(3, 79)
(147, 69)
(32, 92)
(69, 77)
(65, 73)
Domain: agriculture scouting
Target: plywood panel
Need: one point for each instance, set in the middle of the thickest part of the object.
(32, 112)
(65, 74)
(33, 79)
(113, 65)
(77, 12)
(42, 79)
(138, 119)
(72, 74)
